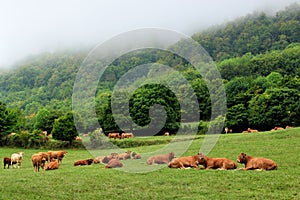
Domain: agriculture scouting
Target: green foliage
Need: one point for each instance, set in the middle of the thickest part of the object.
(257, 34)
(275, 107)
(64, 128)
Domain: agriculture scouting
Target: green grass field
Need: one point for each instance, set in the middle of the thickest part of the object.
(96, 182)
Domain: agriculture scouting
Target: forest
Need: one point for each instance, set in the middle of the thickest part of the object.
(258, 57)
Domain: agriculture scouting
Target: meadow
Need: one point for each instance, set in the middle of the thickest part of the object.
(96, 182)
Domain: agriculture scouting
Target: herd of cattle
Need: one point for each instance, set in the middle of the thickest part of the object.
(114, 160)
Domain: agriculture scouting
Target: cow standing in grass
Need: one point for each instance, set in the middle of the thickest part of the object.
(16, 159)
(6, 161)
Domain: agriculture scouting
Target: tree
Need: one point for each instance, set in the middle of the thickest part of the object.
(44, 120)
(64, 128)
(275, 107)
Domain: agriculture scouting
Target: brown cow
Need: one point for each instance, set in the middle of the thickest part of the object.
(45, 155)
(98, 159)
(114, 135)
(124, 156)
(59, 155)
(166, 134)
(52, 165)
(216, 163)
(106, 159)
(6, 161)
(136, 156)
(114, 163)
(127, 135)
(182, 162)
(160, 159)
(278, 128)
(83, 162)
(252, 130)
(37, 162)
(256, 163)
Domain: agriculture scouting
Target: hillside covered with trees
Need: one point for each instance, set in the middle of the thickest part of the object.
(258, 57)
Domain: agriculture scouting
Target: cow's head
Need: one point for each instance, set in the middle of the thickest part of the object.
(241, 158)
(201, 158)
(171, 155)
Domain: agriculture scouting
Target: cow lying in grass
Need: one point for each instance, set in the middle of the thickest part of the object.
(114, 163)
(52, 165)
(6, 161)
(256, 163)
(83, 162)
(183, 162)
(160, 159)
(216, 163)
(124, 156)
(136, 156)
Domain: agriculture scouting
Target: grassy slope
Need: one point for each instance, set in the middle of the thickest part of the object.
(95, 182)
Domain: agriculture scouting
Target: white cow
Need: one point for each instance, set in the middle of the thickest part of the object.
(16, 158)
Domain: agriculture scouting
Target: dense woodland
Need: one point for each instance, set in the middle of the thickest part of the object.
(258, 57)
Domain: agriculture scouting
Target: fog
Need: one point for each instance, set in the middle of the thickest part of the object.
(32, 27)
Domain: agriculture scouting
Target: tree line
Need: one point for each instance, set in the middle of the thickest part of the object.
(261, 80)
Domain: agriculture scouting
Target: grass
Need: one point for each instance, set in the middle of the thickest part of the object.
(95, 182)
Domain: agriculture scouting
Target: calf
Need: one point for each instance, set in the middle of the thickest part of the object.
(37, 162)
(6, 161)
(136, 156)
(16, 158)
(114, 163)
(182, 162)
(83, 162)
(256, 163)
(216, 163)
(98, 159)
(52, 165)
(160, 159)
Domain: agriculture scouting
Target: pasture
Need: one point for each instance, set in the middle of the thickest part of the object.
(96, 182)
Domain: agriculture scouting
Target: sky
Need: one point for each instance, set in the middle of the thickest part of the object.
(33, 26)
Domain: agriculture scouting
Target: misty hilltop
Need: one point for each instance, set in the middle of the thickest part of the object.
(252, 47)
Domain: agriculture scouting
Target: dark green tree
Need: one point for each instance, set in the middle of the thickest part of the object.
(64, 128)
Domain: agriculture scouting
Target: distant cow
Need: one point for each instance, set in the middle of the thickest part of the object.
(83, 162)
(216, 163)
(160, 159)
(183, 162)
(52, 165)
(98, 159)
(166, 134)
(106, 159)
(226, 130)
(59, 155)
(127, 135)
(124, 156)
(278, 128)
(256, 163)
(114, 135)
(38, 161)
(136, 156)
(6, 161)
(288, 127)
(16, 158)
(252, 130)
(77, 138)
(114, 163)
